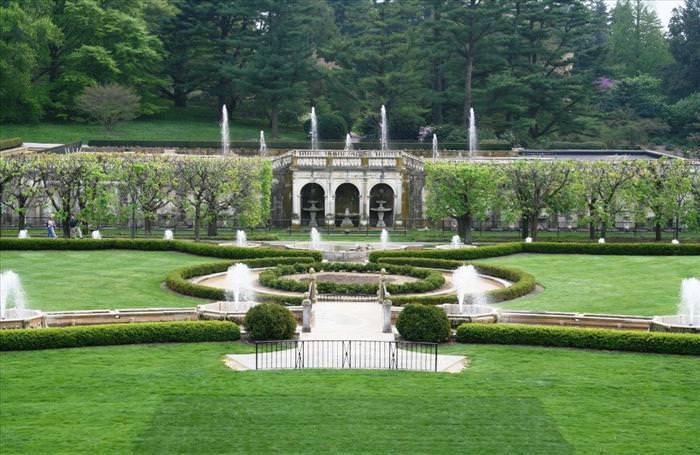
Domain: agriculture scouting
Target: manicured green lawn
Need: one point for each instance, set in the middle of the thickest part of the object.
(635, 285)
(82, 280)
(183, 399)
(174, 125)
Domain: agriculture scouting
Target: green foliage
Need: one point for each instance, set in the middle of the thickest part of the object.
(462, 254)
(108, 104)
(10, 143)
(269, 321)
(572, 337)
(274, 278)
(105, 335)
(418, 322)
(331, 127)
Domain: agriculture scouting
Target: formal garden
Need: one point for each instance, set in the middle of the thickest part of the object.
(349, 227)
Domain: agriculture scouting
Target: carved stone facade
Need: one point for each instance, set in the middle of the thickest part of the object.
(351, 188)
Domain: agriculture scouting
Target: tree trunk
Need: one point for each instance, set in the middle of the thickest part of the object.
(65, 224)
(591, 230)
(21, 220)
(179, 97)
(676, 228)
(533, 227)
(147, 225)
(657, 229)
(133, 222)
(464, 227)
(212, 228)
(603, 229)
(274, 123)
(524, 231)
(197, 210)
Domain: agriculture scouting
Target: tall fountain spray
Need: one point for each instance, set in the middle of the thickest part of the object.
(456, 241)
(11, 295)
(168, 234)
(23, 234)
(466, 282)
(241, 238)
(263, 145)
(96, 235)
(472, 133)
(436, 152)
(384, 239)
(384, 128)
(689, 308)
(225, 140)
(315, 239)
(348, 143)
(314, 129)
(239, 283)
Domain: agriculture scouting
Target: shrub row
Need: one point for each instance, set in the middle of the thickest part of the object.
(177, 280)
(10, 143)
(104, 335)
(572, 337)
(428, 279)
(199, 249)
(503, 249)
(523, 282)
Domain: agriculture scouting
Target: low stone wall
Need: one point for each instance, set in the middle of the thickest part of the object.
(92, 317)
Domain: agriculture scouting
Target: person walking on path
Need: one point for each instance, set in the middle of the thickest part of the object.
(51, 228)
(75, 231)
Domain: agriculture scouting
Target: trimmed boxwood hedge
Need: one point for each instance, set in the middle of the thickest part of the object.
(428, 279)
(573, 337)
(177, 280)
(523, 282)
(504, 249)
(115, 334)
(199, 249)
(268, 321)
(419, 322)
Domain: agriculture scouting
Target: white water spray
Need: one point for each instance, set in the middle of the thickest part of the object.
(384, 239)
(315, 239)
(384, 128)
(23, 234)
(472, 133)
(436, 152)
(456, 241)
(314, 129)
(241, 238)
(225, 140)
(168, 234)
(12, 298)
(689, 308)
(348, 143)
(239, 283)
(465, 279)
(263, 145)
(96, 235)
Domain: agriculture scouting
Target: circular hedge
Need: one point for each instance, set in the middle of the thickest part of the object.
(428, 280)
(269, 321)
(418, 322)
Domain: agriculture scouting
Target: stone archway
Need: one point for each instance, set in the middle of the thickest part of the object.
(381, 196)
(312, 197)
(347, 202)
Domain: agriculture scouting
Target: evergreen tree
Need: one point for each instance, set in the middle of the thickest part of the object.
(684, 38)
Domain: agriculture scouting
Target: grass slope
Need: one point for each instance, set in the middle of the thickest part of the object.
(83, 280)
(182, 399)
(635, 285)
(192, 124)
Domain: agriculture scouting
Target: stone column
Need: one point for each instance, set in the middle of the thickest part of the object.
(386, 310)
(306, 315)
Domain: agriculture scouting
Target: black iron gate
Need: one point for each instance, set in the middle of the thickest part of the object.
(346, 354)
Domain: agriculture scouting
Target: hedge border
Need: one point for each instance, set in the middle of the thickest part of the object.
(505, 249)
(584, 338)
(523, 282)
(429, 280)
(177, 280)
(198, 249)
(118, 334)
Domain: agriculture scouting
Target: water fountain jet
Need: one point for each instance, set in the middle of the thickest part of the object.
(689, 308)
(23, 234)
(168, 234)
(384, 128)
(436, 153)
(314, 129)
(241, 239)
(315, 239)
(348, 143)
(472, 133)
(225, 140)
(263, 145)
(96, 235)
(384, 239)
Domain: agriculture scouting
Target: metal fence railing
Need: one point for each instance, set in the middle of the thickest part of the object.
(346, 354)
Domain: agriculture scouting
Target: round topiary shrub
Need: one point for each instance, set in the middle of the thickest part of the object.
(419, 322)
(269, 321)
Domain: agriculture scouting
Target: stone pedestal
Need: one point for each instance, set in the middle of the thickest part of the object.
(306, 315)
(386, 312)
